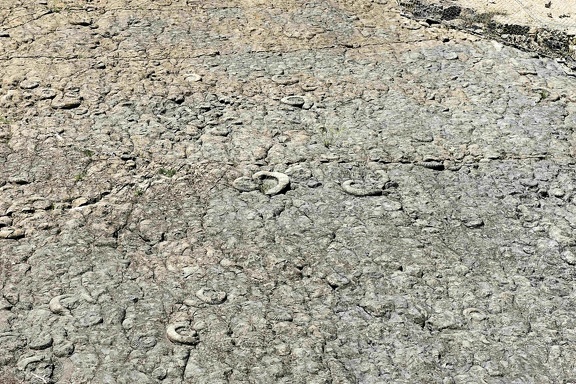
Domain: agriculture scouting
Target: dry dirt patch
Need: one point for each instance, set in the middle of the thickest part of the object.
(553, 14)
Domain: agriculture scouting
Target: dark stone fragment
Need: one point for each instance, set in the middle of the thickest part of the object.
(513, 29)
(451, 13)
(554, 44)
(434, 165)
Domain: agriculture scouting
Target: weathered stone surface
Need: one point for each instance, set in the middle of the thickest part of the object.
(231, 191)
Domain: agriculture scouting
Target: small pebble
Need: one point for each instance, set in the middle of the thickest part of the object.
(294, 101)
(193, 78)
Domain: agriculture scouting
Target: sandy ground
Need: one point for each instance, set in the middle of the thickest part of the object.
(552, 14)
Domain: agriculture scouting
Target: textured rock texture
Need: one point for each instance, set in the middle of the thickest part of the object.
(244, 191)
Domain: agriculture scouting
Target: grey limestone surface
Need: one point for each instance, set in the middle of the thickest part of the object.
(242, 191)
